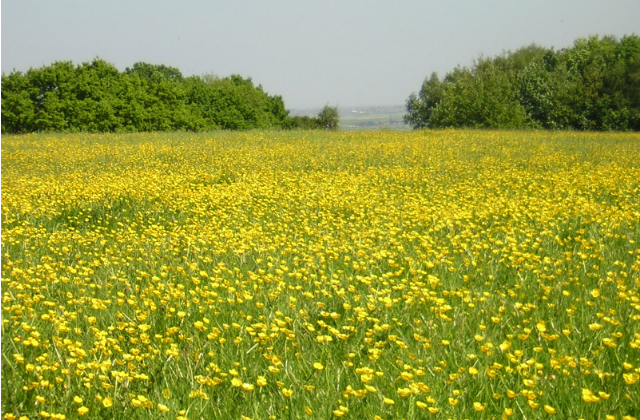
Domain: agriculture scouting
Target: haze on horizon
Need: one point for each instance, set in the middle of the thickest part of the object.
(346, 53)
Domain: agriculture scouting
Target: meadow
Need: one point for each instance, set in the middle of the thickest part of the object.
(318, 275)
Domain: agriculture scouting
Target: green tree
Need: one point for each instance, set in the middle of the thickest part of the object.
(329, 118)
(593, 85)
(481, 97)
(146, 71)
(302, 123)
(420, 108)
(96, 97)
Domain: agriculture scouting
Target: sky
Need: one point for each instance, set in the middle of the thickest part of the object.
(345, 53)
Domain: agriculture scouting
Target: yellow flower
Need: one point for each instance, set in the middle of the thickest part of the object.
(549, 409)
(83, 410)
(273, 369)
(318, 366)
(182, 314)
(163, 408)
(287, 392)
(631, 378)
(308, 410)
(478, 406)
(247, 387)
(588, 396)
(434, 410)
(107, 402)
(261, 381)
(453, 401)
(367, 377)
(77, 400)
(421, 405)
(473, 371)
(388, 401)
(338, 413)
(404, 392)
(508, 412)
(407, 376)
(236, 382)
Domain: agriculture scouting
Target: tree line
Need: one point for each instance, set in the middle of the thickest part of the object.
(593, 85)
(97, 97)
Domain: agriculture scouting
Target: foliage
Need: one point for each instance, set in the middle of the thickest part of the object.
(328, 118)
(286, 275)
(96, 97)
(594, 85)
(421, 108)
(302, 123)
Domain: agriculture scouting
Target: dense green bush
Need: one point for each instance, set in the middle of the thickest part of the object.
(96, 97)
(594, 85)
(303, 123)
(328, 118)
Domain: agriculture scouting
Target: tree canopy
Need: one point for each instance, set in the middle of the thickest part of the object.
(96, 97)
(593, 85)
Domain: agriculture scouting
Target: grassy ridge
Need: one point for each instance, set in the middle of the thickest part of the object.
(449, 274)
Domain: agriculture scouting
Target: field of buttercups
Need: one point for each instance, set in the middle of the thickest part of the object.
(302, 275)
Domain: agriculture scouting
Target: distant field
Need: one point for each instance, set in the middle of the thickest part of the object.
(291, 275)
(367, 118)
(373, 121)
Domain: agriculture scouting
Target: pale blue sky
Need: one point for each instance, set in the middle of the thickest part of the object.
(345, 53)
